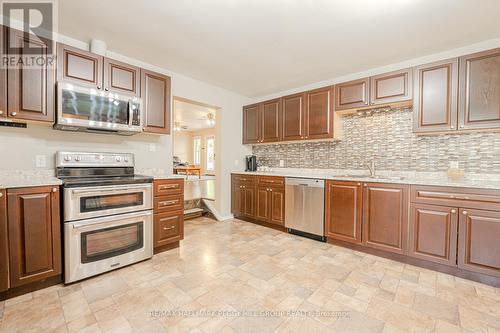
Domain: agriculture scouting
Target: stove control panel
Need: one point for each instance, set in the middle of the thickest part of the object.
(84, 159)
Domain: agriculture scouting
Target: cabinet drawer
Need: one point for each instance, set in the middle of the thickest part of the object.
(457, 197)
(168, 203)
(168, 187)
(168, 228)
(271, 181)
(243, 180)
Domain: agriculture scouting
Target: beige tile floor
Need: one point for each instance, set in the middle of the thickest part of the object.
(237, 266)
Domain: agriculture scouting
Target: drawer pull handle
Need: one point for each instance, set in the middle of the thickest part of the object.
(168, 218)
(465, 212)
(169, 228)
(169, 202)
(167, 187)
(453, 211)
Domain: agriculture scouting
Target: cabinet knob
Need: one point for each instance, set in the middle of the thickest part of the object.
(106, 89)
(453, 211)
(366, 185)
(1, 112)
(54, 189)
(452, 127)
(98, 87)
(462, 126)
(302, 137)
(270, 190)
(1, 194)
(359, 184)
(465, 212)
(307, 137)
(13, 114)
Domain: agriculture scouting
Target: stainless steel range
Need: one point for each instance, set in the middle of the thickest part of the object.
(107, 213)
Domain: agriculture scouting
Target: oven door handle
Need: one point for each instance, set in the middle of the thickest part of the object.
(124, 190)
(108, 219)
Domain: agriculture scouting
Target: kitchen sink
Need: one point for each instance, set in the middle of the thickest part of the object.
(374, 177)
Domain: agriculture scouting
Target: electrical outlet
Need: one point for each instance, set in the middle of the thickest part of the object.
(152, 147)
(236, 162)
(282, 163)
(41, 161)
(454, 165)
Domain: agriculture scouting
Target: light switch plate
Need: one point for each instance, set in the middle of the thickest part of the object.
(41, 161)
(152, 147)
(236, 162)
(282, 163)
(454, 164)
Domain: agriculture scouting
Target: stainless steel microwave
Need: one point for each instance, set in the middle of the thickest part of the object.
(87, 109)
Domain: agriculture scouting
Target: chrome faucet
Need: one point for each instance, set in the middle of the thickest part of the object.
(371, 167)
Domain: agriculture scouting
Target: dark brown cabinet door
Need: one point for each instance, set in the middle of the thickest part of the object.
(277, 205)
(236, 200)
(30, 88)
(155, 92)
(479, 101)
(385, 217)
(168, 228)
(479, 245)
(319, 117)
(352, 94)
(4, 243)
(293, 117)
(249, 201)
(79, 66)
(252, 124)
(121, 78)
(263, 210)
(436, 100)
(343, 210)
(391, 87)
(271, 124)
(433, 233)
(3, 76)
(34, 234)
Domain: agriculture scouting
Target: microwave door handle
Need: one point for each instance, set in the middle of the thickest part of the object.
(130, 115)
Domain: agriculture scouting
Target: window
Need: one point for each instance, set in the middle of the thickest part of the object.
(210, 153)
(197, 150)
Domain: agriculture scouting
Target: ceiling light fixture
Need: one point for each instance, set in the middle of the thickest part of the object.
(210, 119)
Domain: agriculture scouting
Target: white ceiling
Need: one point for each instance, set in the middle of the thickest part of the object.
(192, 116)
(259, 47)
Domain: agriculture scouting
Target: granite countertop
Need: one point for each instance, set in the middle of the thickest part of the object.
(17, 179)
(158, 173)
(482, 181)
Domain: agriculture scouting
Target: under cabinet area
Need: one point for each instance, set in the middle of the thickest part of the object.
(168, 214)
(258, 198)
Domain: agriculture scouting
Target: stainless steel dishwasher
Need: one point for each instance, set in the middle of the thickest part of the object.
(305, 207)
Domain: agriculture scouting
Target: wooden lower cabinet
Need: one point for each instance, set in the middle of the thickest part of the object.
(271, 204)
(168, 213)
(385, 217)
(34, 234)
(433, 233)
(4, 240)
(248, 201)
(479, 241)
(343, 210)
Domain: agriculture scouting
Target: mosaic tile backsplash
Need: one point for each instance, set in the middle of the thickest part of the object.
(387, 138)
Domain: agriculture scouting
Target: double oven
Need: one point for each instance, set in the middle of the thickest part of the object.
(107, 213)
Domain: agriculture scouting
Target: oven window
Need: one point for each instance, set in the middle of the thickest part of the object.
(112, 201)
(111, 242)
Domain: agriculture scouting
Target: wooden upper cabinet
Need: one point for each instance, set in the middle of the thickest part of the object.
(391, 87)
(155, 93)
(293, 117)
(30, 88)
(4, 243)
(79, 66)
(122, 78)
(435, 102)
(3, 76)
(252, 124)
(352, 94)
(479, 100)
(385, 218)
(343, 210)
(271, 124)
(478, 245)
(319, 117)
(34, 234)
(433, 233)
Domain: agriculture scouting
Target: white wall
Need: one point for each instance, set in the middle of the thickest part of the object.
(19, 147)
(183, 146)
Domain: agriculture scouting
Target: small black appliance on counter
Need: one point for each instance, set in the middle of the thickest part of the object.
(251, 163)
